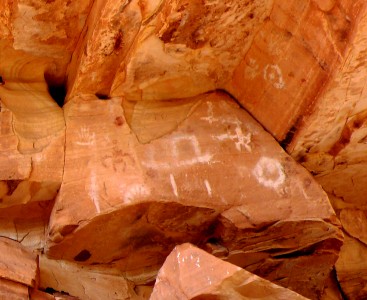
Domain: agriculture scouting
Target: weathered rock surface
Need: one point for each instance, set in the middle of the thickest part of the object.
(32, 131)
(17, 263)
(39, 295)
(84, 282)
(18, 270)
(290, 59)
(351, 268)
(27, 223)
(49, 29)
(146, 160)
(31, 147)
(155, 50)
(191, 273)
(13, 290)
(143, 199)
(331, 144)
(331, 289)
(275, 59)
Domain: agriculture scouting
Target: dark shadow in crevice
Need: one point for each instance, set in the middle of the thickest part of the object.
(334, 275)
(101, 96)
(289, 137)
(56, 87)
(58, 93)
(50, 290)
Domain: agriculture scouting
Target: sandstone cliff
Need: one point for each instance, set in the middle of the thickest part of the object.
(230, 132)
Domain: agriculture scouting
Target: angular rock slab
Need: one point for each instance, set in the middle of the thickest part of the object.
(83, 282)
(191, 273)
(351, 268)
(27, 223)
(17, 263)
(39, 295)
(354, 222)
(18, 270)
(11, 290)
(211, 181)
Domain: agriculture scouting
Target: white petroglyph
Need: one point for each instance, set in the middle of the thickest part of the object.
(269, 172)
(134, 191)
(208, 187)
(85, 137)
(252, 69)
(238, 137)
(93, 191)
(173, 184)
(273, 74)
(210, 118)
(154, 159)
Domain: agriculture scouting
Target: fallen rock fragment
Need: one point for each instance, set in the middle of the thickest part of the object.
(84, 282)
(11, 290)
(191, 273)
(17, 263)
(277, 252)
(18, 270)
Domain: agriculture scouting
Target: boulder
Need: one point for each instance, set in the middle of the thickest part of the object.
(191, 273)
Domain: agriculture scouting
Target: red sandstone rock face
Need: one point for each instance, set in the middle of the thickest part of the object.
(207, 183)
(146, 155)
(191, 273)
(92, 283)
(49, 29)
(18, 270)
